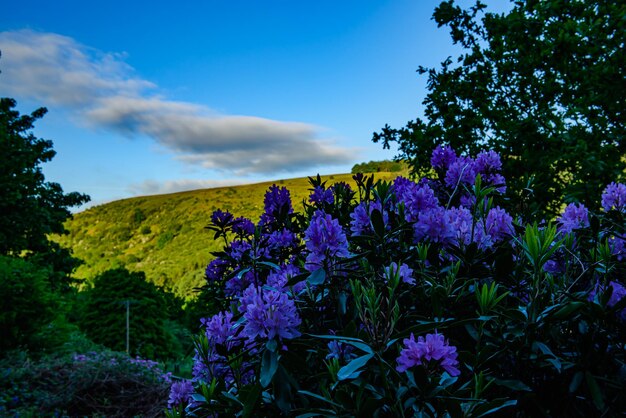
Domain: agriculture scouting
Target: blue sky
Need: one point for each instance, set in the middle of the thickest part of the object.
(153, 97)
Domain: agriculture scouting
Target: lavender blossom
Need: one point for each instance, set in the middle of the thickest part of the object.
(618, 293)
(180, 393)
(340, 351)
(220, 329)
(220, 218)
(281, 239)
(324, 239)
(276, 198)
(425, 351)
(360, 223)
(618, 247)
(461, 171)
(442, 158)
(461, 223)
(614, 197)
(243, 227)
(496, 227)
(404, 272)
(433, 225)
(415, 197)
(279, 279)
(216, 270)
(269, 314)
(321, 196)
(574, 217)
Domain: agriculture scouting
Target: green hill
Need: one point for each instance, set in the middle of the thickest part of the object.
(164, 235)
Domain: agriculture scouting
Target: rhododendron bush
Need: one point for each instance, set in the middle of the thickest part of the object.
(413, 299)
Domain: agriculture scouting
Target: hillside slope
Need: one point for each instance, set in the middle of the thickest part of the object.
(164, 235)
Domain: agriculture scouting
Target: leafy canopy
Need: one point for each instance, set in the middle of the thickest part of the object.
(31, 207)
(543, 85)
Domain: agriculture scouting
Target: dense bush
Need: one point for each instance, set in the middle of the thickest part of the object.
(93, 384)
(26, 303)
(414, 299)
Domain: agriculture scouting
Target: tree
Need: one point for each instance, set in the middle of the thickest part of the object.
(544, 85)
(31, 207)
(104, 319)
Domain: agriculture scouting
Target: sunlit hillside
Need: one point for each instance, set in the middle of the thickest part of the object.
(164, 235)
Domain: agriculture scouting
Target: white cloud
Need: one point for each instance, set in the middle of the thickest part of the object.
(152, 187)
(105, 92)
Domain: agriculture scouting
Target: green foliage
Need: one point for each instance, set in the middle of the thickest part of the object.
(104, 315)
(31, 207)
(534, 321)
(170, 245)
(378, 166)
(26, 304)
(93, 384)
(543, 85)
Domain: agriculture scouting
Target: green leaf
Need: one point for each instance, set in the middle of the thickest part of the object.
(596, 393)
(319, 397)
(269, 364)
(378, 223)
(351, 370)
(513, 384)
(317, 277)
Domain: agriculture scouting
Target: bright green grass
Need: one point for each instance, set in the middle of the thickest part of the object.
(164, 235)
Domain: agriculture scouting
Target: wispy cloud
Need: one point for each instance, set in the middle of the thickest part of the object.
(106, 93)
(151, 187)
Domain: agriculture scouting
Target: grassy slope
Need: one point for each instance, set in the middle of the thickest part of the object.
(164, 235)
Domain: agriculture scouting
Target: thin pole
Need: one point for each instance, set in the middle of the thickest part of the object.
(127, 326)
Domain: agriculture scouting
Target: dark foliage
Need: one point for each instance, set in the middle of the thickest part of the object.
(543, 85)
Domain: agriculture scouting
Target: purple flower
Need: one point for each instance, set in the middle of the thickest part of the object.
(243, 226)
(321, 196)
(180, 393)
(433, 225)
(574, 217)
(220, 218)
(220, 329)
(497, 226)
(488, 162)
(614, 197)
(425, 351)
(269, 314)
(340, 351)
(461, 171)
(279, 279)
(324, 239)
(236, 285)
(442, 158)
(618, 292)
(238, 248)
(617, 247)
(461, 223)
(360, 223)
(277, 199)
(415, 197)
(216, 269)
(404, 272)
(281, 239)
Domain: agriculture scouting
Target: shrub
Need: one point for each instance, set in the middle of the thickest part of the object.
(414, 299)
(26, 303)
(92, 384)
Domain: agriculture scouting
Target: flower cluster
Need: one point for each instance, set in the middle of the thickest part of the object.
(426, 350)
(315, 304)
(325, 240)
